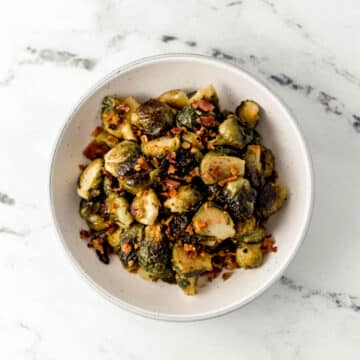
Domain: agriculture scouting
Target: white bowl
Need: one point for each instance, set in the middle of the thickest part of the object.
(147, 78)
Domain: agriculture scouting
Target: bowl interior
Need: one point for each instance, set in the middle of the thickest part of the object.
(148, 79)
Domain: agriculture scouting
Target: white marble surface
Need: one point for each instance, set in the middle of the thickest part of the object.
(52, 51)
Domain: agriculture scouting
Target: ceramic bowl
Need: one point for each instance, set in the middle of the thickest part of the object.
(147, 78)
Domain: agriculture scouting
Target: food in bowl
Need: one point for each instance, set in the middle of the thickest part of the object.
(178, 188)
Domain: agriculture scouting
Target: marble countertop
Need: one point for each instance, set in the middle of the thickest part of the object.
(53, 51)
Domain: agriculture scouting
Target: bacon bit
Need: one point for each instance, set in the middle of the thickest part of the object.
(84, 234)
(172, 183)
(185, 145)
(141, 164)
(230, 262)
(200, 226)
(144, 138)
(195, 171)
(189, 248)
(211, 146)
(208, 121)
(200, 131)
(95, 150)
(171, 169)
(126, 248)
(155, 162)
(172, 193)
(97, 245)
(268, 245)
(178, 130)
(212, 134)
(189, 229)
(164, 194)
(168, 220)
(122, 107)
(138, 133)
(98, 130)
(226, 275)
(225, 181)
(106, 173)
(170, 157)
(203, 105)
(82, 167)
(133, 271)
(118, 189)
(233, 170)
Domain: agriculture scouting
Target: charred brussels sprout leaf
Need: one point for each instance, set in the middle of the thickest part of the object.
(154, 253)
(271, 199)
(249, 113)
(106, 138)
(268, 161)
(187, 117)
(249, 256)
(90, 180)
(186, 199)
(152, 117)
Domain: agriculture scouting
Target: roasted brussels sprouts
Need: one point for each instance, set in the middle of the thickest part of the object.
(189, 268)
(121, 159)
(186, 199)
(161, 146)
(271, 199)
(249, 256)
(193, 140)
(240, 197)
(118, 208)
(216, 167)
(233, 134)
(212, 221)
(176, 98)
(97, 222)
(154, 252)
(130, 240)
(145, 207)
(268, 161)
(187, 117)
(254, 169)
(249, 232)
(114, 238)
(200, 184)
(116, 114)
(249, 113)
(106, 138)
(89, 183)
(152, 117)
(208, 93)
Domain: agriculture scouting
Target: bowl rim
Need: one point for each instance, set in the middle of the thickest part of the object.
(157, 315)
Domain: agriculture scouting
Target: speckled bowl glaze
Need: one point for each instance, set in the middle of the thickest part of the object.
(147, 78)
